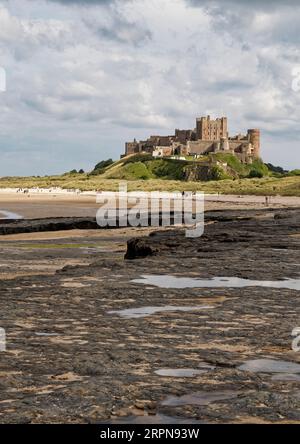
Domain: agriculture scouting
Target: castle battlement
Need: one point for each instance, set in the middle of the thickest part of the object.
(209, 136)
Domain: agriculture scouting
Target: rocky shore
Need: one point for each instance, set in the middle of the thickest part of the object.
(180, 330)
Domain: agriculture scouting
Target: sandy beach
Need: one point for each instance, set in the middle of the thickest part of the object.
(37, 204)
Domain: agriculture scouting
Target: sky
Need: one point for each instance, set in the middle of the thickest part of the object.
(85, 76)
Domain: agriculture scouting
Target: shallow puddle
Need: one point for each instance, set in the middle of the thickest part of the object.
(46, 334)
(168, 281)
(199, 398)
(9, 215)
(183, 372)
(286, 377)
(270, 366)
(142, 312)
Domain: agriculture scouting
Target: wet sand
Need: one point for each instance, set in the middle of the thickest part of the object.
(37, 205)
(32, 206)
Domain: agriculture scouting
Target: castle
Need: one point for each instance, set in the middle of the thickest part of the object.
(209, 136)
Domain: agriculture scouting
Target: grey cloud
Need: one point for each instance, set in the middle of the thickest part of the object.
(231, 85)
(125, 33)
(81, 84)
(115, 26)
(269, 21)
(85, 2)
(119, 30)
(260, 4)
(250, 3)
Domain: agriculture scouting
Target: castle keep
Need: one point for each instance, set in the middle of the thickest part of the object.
(209, 136)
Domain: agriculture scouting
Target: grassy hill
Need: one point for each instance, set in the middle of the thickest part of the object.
(219, 172)
(217, 166)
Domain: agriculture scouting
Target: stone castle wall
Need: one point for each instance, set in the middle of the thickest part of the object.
(208, 136)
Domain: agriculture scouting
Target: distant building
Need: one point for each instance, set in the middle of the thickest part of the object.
(209, 136)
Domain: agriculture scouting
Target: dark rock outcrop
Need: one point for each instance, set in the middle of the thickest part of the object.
(39, 225)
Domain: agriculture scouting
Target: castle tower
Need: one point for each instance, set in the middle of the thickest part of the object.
(208, 129)
(224, 128)
(224, 144)
(254, 139)
(202, 128)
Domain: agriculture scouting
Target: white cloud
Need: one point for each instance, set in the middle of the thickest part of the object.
(83, 79)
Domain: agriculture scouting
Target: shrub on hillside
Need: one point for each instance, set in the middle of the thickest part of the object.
(294, 173)
(276, 169)
(258, 169)
(137, 158)
(167, 168)
(101, 167)
(217, 173)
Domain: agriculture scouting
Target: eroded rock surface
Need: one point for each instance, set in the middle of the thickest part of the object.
(70, 359)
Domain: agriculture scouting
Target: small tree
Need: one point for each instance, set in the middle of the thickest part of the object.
(101, 166)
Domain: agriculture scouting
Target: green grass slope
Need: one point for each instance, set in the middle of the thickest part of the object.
(143, 172)
(144, 166)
